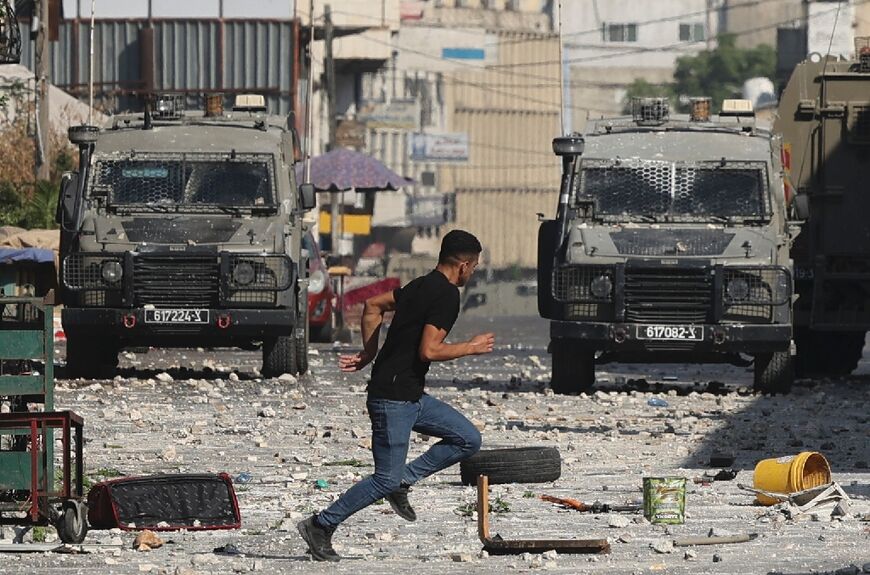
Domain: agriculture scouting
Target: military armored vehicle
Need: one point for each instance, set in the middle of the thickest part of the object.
(670, 244)
(182, 229)
(824, 120)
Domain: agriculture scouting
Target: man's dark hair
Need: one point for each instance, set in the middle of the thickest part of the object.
(458, 245)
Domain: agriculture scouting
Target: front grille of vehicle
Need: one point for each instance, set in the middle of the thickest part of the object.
(176, 281)
(668, 296)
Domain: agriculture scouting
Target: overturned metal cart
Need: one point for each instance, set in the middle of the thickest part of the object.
(32, 492)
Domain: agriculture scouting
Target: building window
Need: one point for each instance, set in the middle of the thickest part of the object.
(692, 33)
(619, 32)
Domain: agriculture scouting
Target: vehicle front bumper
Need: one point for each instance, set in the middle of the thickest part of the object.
(717, 338)
(223, 325)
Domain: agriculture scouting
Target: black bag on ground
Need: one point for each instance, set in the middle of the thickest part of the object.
(165, 503)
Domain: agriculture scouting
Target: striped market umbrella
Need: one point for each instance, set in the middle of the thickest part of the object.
(342, 169)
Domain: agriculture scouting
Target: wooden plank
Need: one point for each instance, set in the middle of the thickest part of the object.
(499, 546)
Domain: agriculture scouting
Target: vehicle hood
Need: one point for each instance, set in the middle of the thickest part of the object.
(706, 242)
(179, 232)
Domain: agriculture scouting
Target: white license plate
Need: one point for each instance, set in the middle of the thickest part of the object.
(176, 316)
(671, 332)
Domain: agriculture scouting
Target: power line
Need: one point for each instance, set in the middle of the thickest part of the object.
(665, 48)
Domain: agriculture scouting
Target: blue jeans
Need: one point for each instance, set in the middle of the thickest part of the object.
(392, 423)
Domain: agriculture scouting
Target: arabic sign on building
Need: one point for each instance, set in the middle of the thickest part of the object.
(444, 147)
(399, 114)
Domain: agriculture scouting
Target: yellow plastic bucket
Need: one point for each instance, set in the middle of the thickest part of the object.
(790, 474)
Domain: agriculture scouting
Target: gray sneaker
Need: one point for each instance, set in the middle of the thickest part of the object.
(319, 539)
(398, 500)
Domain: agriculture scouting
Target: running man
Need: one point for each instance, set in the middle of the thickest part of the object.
(426, 310)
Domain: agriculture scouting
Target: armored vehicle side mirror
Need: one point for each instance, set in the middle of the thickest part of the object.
(307, 198)
(569, 145)
(69, 204)
(801, 206)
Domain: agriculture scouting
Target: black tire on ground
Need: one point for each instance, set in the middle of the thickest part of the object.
(279, 356)
(72, 525)
(90, 357)
(774, 372)
(573, 368)
(512, 465)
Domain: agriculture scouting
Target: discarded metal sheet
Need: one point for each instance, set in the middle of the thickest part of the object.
(498, 546)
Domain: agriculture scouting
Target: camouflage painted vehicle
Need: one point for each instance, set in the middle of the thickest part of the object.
(182, 230)
(824, 120)
(670, 244)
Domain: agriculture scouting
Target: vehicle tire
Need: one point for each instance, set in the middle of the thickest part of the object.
(302, 349)
(548, 235)
(774, 372)
(512, 465)
(573, 369)
(90, 357)
(279, 356)
(72, 526)
(828, 354)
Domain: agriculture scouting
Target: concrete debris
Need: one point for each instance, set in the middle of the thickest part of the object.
(164, 377)
(147, 540)
(267, 411)
(662, 546)
(618, 521)
(287, 378)
(608, 441)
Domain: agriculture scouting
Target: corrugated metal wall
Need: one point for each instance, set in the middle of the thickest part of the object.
(191, 56)
(511, 114)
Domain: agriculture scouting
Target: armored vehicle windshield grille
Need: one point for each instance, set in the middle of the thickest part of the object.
(664, 190)
(176, 281)
(668, 295)
(185, 181)
(663, 242)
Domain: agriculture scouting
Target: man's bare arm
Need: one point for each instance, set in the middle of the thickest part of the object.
(372, 319)
(434, 348)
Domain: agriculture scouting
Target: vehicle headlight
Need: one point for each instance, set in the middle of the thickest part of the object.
(601, 287)
(737, 289)
(316, 282)
(112, 272)
(243, 273)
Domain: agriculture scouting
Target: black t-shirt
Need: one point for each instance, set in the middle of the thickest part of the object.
(399, 373)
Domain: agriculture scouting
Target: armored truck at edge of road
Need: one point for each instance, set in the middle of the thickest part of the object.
(182, 229)
(824, 120)
(670, 245)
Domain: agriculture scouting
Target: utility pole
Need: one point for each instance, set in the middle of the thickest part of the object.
(43, 121)
(334, 205)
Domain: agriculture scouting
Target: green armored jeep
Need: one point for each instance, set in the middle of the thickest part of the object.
(671, 244)
(182, 229)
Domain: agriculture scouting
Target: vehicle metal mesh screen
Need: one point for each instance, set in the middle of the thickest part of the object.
(246, 180)
(84, 272)
(573, 283)
(767, 286)
(648, 187)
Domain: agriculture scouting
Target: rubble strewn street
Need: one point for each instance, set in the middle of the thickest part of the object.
(292, 445)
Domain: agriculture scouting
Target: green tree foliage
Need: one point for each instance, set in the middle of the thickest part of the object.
(717, 73)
